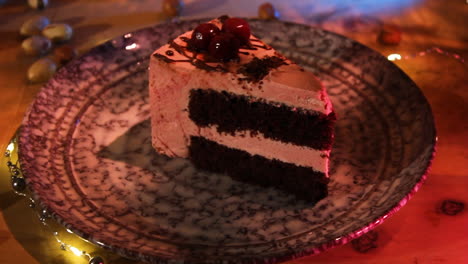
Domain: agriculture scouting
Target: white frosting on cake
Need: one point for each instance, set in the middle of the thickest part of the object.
(170, 84)
(270, 149)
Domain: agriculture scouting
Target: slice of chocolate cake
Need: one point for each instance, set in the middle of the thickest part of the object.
(232, 104)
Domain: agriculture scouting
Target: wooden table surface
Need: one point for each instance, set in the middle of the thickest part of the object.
(419, 233)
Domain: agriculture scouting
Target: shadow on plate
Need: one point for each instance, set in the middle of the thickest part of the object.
(134, 148)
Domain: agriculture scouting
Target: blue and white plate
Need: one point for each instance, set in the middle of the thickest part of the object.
(85, 150)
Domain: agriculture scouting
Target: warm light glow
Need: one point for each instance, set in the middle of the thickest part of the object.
(76, 251)
(393, 57)
(131, 46)
(11, 147)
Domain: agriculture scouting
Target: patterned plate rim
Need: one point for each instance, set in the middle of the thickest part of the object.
(272, 259)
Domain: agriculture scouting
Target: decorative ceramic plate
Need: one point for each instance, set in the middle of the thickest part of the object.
(85, 150)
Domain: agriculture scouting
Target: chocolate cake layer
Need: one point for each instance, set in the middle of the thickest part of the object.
(305, 183)
(231, 113)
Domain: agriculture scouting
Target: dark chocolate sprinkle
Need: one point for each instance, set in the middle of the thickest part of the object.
(257, 69)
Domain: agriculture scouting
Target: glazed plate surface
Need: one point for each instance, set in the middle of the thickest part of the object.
(85, 150)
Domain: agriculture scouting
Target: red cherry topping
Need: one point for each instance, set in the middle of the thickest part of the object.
(224, 47)
(239, 27)
(202, 35)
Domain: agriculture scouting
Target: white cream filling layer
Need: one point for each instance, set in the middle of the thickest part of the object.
(268, 148)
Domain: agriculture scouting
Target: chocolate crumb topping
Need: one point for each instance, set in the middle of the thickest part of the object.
(257, 69)
(202, 59)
